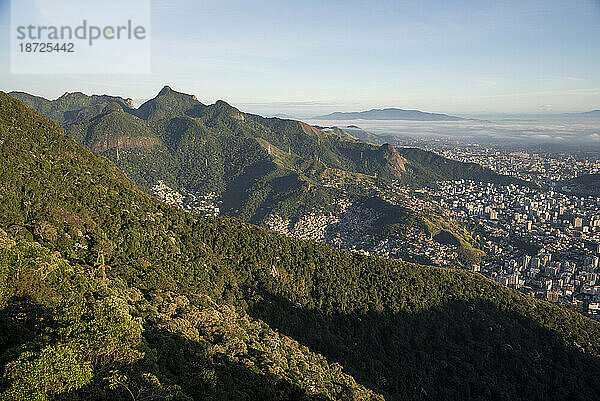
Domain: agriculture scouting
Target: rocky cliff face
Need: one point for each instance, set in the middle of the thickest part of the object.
(393, 161)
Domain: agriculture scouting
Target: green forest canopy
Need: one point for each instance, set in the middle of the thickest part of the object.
(106, 291)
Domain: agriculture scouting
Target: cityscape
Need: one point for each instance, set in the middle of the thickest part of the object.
(541, 240)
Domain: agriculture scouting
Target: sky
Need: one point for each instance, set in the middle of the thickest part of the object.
(312, 57)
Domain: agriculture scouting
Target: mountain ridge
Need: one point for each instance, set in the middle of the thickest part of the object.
(584, 185)
(591, 113)
(182, 104)
(261, 169)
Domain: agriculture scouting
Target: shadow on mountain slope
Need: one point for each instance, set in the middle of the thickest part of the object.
(443, 352)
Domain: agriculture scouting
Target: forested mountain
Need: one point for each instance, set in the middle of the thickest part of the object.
(259, 166)
(105, 292)
(71, 107)
(388, 114)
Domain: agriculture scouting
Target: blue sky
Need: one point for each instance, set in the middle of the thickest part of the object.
(307, 57)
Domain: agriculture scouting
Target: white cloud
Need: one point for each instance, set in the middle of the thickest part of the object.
(594, 137)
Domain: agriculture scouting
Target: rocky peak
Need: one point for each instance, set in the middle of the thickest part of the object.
(165, 90)
(72, 95)
(129, 103)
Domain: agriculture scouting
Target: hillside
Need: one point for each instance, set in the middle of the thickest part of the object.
(586, 185)
(433, 167)
(116, 292)
(388, 114)
(264, 170)
(257, 166)
(105, 290)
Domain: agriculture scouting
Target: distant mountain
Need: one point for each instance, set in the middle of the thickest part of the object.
(389, 114)
(590, 114)
(108, 293)
(284, 115)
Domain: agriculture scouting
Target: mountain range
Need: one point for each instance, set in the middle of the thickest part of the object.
(175, 138)
(259, 168)
(389, 114)
(108, 293)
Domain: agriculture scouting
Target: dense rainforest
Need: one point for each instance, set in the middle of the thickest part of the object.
(105, 292)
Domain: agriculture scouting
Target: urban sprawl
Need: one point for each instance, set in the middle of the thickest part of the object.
(542, 241)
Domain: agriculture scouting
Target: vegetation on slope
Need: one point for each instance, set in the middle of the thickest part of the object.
(107, 286)
(215, 148)
(258, 166)
(584, 185)
(89, 261)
